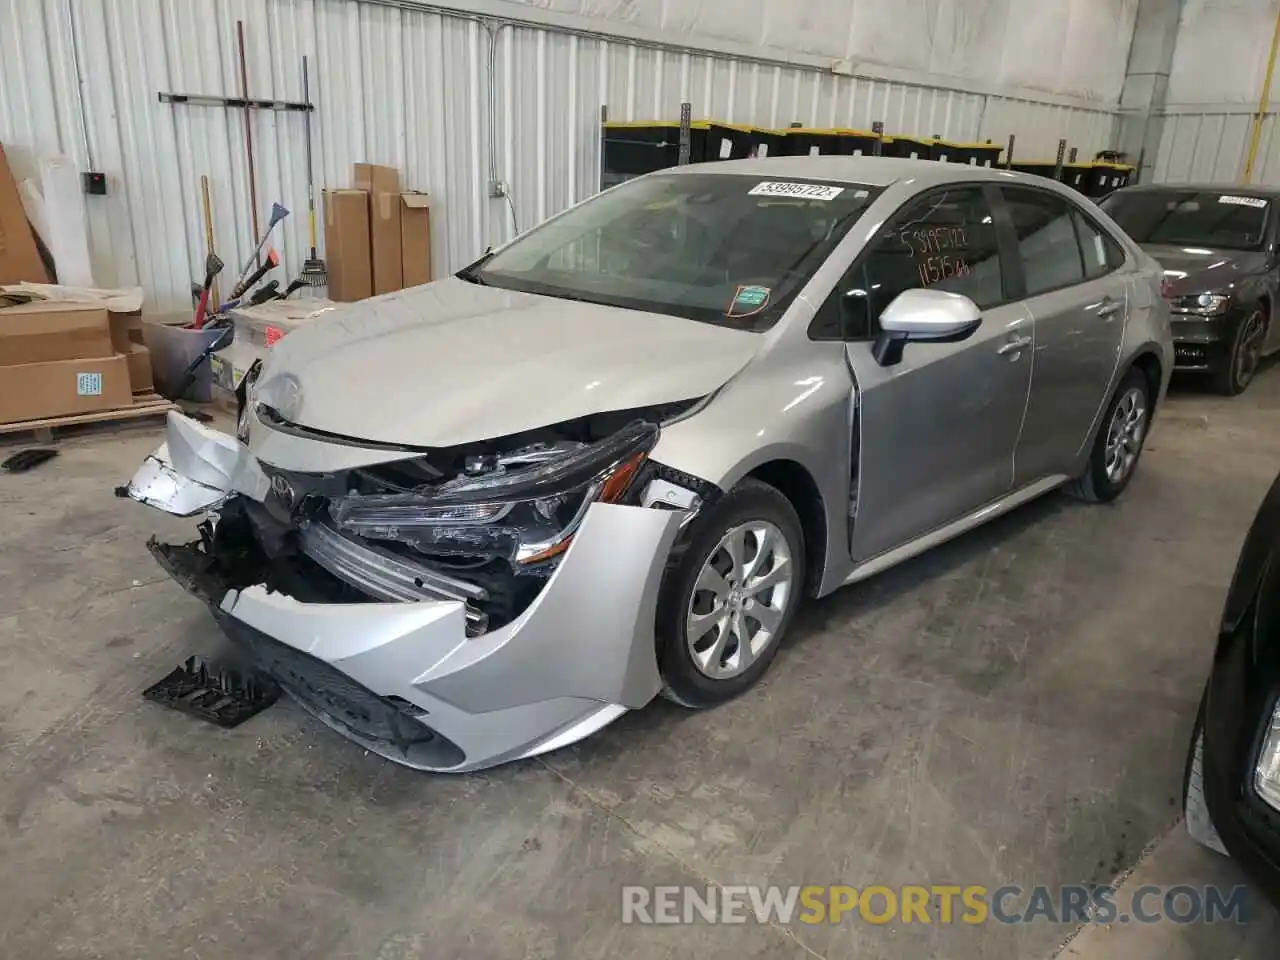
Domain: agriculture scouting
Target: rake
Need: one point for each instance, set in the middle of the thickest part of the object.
(313, 270)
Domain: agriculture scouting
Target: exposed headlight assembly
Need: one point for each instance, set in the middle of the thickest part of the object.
(1266, 776)
(527, 515)
(245, 400)
(1204, 304)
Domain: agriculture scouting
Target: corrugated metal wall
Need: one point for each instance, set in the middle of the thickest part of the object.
(424, 92)
(1208, 147)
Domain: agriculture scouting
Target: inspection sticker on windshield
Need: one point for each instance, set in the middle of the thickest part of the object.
(800, 191)
(1243, 201)
(748, 299)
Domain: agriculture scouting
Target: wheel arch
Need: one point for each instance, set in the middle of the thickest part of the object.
(794, 481)
(1152, 367)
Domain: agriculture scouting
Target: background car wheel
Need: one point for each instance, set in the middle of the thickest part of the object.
(1246, 354)
(1119, 442)
(725, 607)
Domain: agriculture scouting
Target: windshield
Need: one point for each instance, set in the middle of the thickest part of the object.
(718, 248)
(1222, 220)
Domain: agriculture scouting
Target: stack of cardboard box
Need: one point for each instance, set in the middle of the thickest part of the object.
(377, 237)
(59, 358)
(19, 257)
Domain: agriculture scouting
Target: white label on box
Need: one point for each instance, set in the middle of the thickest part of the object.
(89, 384)
(798, 191)
(726, 148)
(762, 150)
(814, 151)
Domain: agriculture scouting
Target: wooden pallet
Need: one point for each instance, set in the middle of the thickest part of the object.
(148, 409)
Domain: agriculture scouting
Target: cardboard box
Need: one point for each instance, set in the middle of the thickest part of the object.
(346, 244)
(126, 329)
(40, 332)
(415, 238)
(138, 358)
(19, 259)
(382, 184)
(35, 391)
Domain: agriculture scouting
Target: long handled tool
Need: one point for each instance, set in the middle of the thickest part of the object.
(313, 270)
(268, 291)
(212, 267)
(272, 261)
(278, 212)
(296, 284)
(248, 133)
(208, 227)
(189, 375)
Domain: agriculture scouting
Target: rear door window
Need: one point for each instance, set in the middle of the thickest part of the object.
(1100, 252)
(1048, 242)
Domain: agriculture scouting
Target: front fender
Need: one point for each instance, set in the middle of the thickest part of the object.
(800, 410)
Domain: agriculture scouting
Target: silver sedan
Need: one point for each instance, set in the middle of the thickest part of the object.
(480, 519)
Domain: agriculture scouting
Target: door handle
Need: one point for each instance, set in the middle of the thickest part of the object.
(1110, 308)
(1014, 345)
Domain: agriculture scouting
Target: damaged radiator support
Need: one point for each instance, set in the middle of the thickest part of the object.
(383, 575)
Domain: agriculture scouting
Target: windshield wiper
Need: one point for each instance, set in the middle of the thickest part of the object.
(471, 272)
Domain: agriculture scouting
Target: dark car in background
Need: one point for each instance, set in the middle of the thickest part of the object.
(1232, 785)
(1218, 247)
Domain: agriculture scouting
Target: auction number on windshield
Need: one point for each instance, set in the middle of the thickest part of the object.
(797, 191)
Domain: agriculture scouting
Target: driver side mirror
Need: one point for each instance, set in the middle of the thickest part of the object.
(922, 315)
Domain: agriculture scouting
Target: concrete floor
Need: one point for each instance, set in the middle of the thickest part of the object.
(1012, 708)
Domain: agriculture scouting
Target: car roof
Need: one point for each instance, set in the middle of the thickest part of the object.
(1234, 189)
(868, 171)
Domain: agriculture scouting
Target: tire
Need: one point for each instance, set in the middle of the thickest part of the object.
(1199, 821)
(1098, 484)
(1246, 353)
(708, 668)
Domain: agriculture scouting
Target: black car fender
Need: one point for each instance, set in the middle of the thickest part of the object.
(1262, 539)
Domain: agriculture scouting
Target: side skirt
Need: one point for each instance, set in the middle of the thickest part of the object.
(913, 548)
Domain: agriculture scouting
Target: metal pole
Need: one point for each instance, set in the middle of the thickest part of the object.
(686, 119)
(1263, 100)
(878, 147)
(1075, 152)
(1008, 155)
(1062, 152)
(75, 67)
(604, 119)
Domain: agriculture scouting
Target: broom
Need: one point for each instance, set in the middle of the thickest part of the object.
(313, 270)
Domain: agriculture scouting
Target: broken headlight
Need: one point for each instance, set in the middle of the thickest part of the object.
(526, 515)
(244, 400)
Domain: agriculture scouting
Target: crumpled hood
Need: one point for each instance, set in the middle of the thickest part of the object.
(1201, 270)
(453, 362)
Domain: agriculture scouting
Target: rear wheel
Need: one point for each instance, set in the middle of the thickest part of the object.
(725, 607)
(1246, 354)
(1119, 443)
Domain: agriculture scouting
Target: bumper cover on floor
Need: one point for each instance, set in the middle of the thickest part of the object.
(405, 680)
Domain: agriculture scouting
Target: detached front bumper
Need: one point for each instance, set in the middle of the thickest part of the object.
(404, 679)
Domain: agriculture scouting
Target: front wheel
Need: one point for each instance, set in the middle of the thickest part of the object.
(725, 606)
(1246, 355)
(1119, 443)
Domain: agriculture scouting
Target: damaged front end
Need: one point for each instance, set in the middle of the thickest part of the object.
(390, 553)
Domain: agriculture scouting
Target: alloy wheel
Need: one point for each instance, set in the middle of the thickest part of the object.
(1249, 352)
(1125, 434)
(739, 599)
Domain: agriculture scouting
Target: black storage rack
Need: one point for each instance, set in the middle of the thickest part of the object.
(632, 148)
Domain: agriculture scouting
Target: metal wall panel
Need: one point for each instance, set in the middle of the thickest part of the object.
(1212, 147)
(427, 93)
